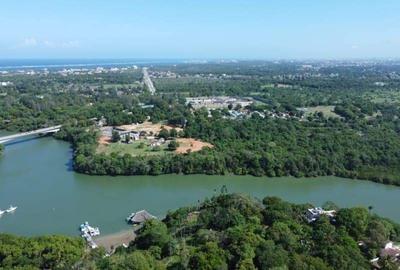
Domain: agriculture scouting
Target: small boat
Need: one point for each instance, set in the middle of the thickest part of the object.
(129, 218)
(88, 231)
(11, 209)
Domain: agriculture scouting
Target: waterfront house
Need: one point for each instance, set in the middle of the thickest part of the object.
(313, 214)
(391, 250)
(140, 217)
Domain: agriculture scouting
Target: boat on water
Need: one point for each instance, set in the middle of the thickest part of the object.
(11, 209)
(88, 231)
(128, 219)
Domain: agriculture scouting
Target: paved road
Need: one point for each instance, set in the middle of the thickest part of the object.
(29, 133)
(148, 82)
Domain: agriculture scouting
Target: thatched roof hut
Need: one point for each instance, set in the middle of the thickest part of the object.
(141, 216)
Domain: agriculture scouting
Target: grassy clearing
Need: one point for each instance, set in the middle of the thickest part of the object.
(137, 148)
(328, 111)
(388, 96)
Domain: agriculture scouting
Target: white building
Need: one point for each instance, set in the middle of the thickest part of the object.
(313, 214)
(5, 83)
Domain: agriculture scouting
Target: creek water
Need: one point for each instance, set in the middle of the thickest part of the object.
(36, 175)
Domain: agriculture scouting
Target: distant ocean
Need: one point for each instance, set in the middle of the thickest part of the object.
(9, 64)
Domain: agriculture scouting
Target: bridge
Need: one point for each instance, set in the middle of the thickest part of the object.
(41, 131)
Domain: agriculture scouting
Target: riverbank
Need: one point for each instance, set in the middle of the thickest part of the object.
(114, 240)
(381, 175)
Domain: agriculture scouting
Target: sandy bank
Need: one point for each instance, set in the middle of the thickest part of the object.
(111, 241)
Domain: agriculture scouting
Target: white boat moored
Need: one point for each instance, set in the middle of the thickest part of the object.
(11, 209)
(88, 231)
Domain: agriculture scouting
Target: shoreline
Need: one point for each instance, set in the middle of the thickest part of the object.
(114, 240)
(378, 179)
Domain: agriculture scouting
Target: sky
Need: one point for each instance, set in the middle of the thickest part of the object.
(200, 29)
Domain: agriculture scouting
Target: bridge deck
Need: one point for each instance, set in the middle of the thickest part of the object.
(29, 133)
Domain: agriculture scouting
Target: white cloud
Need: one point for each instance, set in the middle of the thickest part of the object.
(33, 42)
(29, 42)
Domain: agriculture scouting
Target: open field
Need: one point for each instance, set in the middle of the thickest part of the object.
(326, 110)
(137, 148)
(142, 147)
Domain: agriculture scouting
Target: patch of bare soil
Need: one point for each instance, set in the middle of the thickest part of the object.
(191, 145)
(112, 241)
(104, 140)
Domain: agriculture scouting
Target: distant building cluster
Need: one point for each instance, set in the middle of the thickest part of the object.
(97, 70)
(71, 71)
(163, 74)
(218, 102)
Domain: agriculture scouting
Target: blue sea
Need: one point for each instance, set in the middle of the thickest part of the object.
(10, 64)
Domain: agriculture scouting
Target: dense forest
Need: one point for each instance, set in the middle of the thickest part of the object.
(228, 231)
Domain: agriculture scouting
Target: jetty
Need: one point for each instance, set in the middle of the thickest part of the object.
(88, 232)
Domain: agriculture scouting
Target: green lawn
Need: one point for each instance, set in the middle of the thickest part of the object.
(133, 149)
(384, 96)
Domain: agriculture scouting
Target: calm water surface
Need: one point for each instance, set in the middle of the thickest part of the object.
(36, 176)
